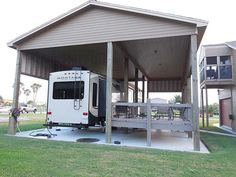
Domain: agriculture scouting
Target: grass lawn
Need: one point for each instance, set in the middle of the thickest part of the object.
(30, 157)
(29, 115)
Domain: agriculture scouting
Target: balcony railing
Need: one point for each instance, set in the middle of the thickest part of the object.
(216, 73)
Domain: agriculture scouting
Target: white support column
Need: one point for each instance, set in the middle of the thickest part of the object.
(202, 109)
(136, 86)
(193, 55)
(126, 79)
(12, 122)
(109, 91)
(207, 115)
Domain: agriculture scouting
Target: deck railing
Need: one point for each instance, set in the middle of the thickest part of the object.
(177, 117)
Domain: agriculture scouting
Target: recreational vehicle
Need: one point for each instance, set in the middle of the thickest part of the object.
(77, 98)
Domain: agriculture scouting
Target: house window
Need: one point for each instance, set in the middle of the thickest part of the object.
(202, 75)
(212, 72)
(211, 60)
(225, 67)
(202, 70)
(225, 60)
(226, 72)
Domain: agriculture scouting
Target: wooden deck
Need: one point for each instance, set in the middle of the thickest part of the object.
(174, 117)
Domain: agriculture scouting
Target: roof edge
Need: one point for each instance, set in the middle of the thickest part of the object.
(48, 23)
(213, 45)
(232, 46)
(198, 22)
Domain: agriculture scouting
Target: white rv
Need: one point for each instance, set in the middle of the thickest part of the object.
(76, 98)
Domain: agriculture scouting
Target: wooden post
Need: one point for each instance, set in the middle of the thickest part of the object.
(126, 79)
(193, 57)
(136, 86)
(147, 89)
(143, 89)
(12, 122)
(202, 109)
(207, 115)
(109, 91)
(149, 123)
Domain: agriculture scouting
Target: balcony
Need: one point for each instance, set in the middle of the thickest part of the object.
(216, 70)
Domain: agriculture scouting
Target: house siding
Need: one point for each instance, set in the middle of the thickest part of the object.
(218, 51)
(97, 25)
(37, 66)
(223, 94)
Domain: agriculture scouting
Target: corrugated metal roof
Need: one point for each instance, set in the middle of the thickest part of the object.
(198, 22)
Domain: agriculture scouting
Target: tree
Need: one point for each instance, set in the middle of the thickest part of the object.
(27, 92)
(30, 102)
(213, 109)
(35, 87)
(1, 99)
(176, 99)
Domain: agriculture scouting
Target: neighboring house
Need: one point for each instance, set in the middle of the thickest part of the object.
(218, 70)
(159, 100)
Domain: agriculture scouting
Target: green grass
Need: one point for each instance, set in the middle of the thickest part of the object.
(33, 157)
(212, 121)
(26, 117)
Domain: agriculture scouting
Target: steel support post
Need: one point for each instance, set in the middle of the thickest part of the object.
(207, 114)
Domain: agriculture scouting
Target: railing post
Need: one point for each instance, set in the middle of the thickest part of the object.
(190, 118)
(149, 123)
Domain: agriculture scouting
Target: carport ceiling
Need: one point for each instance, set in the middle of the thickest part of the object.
(161, 58)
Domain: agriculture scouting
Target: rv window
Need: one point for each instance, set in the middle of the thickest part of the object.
(68, 90)
(94, 103)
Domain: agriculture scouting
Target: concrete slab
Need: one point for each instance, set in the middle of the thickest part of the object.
(167, 140)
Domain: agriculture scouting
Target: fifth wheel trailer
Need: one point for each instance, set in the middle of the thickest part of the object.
(77, 98)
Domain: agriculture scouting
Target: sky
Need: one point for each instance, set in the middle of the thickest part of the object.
(18, 17)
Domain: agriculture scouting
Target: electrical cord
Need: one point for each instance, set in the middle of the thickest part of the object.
(18, 127)
(40, 133)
